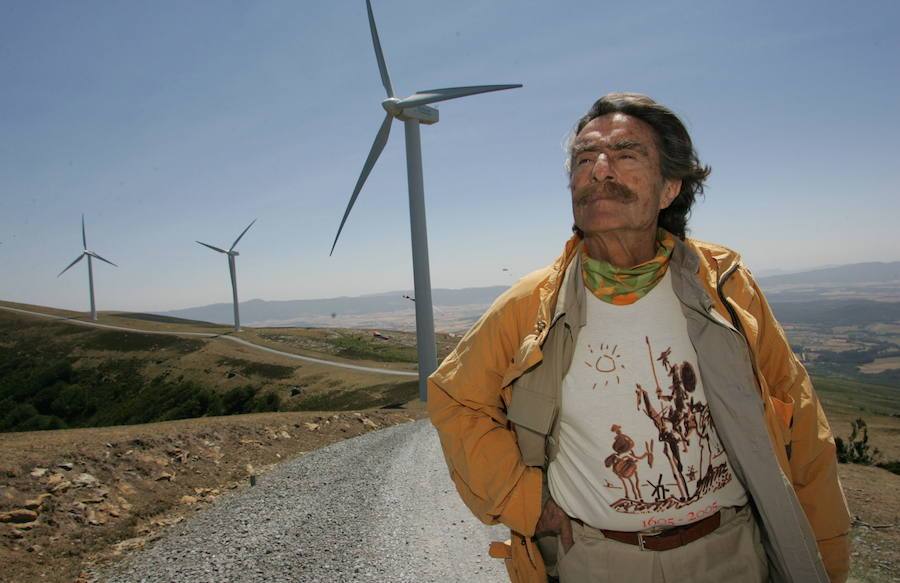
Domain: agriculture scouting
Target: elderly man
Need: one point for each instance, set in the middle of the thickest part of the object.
(634, 411)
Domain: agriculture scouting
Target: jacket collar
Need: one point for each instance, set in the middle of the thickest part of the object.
(563, 290)
(550, 287)
(685, 268)
(571, 291)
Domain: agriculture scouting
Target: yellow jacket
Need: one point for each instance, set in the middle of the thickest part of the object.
(470, 394)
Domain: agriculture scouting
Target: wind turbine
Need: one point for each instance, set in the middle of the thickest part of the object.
(412, 110)
(231, 253)
(90, 255)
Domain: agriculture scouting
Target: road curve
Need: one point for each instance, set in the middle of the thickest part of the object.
(401, 373)
(378, 507)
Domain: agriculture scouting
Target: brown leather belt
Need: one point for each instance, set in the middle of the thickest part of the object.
(665, 540)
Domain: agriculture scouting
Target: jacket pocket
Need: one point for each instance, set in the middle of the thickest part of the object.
(533, 414)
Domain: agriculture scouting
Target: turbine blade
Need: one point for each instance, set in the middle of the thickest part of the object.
(213, 248)
(95, 256)
(80, 257)
(242, 234)
(435, 95)
(380, 141)
(83, 234)
(382, 67)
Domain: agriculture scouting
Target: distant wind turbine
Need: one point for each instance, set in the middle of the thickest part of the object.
(90, 255)
(231, 253)
(412, 110)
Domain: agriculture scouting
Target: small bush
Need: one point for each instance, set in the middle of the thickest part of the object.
(268, 402)
(237, 400)
(41, 423)
(17, 416)
(262, 369)
(856, 449)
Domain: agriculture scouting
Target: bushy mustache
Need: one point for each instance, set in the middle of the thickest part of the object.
(604, 190)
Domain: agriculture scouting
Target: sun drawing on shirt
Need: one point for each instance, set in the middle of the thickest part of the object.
(607, 363)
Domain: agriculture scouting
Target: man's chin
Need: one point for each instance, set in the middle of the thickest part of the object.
(601, 231)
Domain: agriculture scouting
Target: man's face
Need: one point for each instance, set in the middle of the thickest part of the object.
(615, 178)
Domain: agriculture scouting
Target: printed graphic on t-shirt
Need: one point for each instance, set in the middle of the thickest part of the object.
(686, 460)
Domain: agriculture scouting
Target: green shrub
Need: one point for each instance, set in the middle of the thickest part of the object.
(73, 402)
(44, 398)
(238, 400)
(17, 416)
(41, 423)
(198, 402)
(262, 369)
(58, 371)
(268, 402)
(856, 449)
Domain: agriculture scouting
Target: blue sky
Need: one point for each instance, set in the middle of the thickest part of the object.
(167, 122)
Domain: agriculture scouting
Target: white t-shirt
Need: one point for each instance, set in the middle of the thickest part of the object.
(637, 446)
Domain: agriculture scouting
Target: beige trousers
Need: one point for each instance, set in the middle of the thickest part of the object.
(732, 553)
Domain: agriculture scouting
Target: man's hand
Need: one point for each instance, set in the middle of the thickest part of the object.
(554, 520)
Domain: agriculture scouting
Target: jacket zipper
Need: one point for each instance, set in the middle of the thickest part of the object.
(720, 290)
(735, 321)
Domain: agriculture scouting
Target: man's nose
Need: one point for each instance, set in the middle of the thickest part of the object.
(602, 169)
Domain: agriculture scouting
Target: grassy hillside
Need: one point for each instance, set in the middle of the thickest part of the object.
(845, 400)
(847, 396)
(54, 375)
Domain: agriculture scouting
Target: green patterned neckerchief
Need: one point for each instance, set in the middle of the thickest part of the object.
(622, 286)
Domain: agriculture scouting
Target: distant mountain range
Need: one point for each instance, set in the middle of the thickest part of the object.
(859, 281)
(457, 309)
(856, 273)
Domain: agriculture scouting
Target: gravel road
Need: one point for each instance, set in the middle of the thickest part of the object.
(379, 507)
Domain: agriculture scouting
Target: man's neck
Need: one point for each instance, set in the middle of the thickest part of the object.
(622, 249)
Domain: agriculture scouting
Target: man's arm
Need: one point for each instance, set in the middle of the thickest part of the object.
(813, 460)
(467, 409)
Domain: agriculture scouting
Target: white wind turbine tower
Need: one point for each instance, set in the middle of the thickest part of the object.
(412, 110)
(90, 255)
(231, 253)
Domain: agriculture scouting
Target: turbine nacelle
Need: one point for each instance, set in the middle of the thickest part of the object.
(421, 113)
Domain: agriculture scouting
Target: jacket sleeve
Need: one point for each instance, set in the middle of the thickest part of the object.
(467, 409)
(813, 460)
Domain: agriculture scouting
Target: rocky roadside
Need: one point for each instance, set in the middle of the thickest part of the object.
(74, 498)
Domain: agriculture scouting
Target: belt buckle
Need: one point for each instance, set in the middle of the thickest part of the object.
(648, 533)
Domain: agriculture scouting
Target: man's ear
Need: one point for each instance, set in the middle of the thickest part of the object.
(670, 193)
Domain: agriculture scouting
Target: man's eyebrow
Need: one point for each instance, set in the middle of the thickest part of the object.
(584, 147)
(593, 146)
(629, 145)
